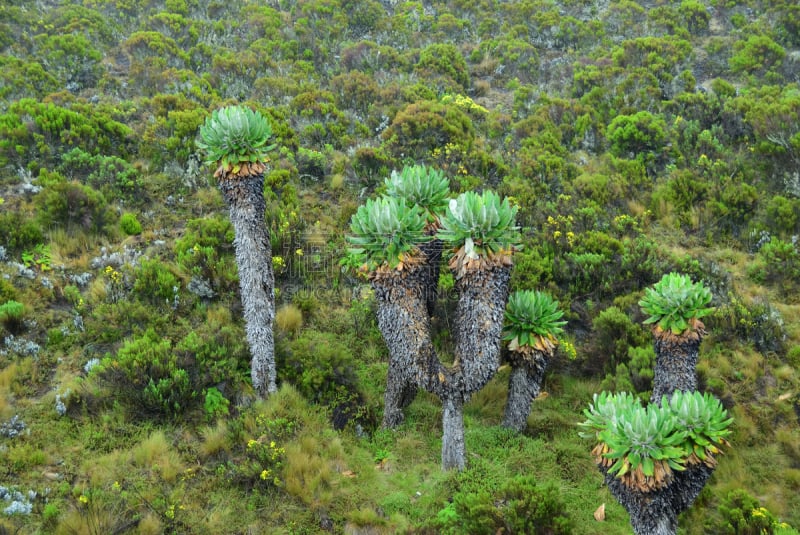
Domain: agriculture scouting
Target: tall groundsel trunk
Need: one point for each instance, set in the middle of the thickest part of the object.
(405, 325)
(524, 385)
(676, 362)
(656, 512)
(482, 296)
(253, 252)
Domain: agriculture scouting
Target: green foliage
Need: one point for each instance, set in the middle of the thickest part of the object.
(235, 135)
(615, 335)
(480, 223)
(522, 505)
(111, 174)
(256, 464)
(70, 204)
(146, 375)
(641, 133)
(322, 369)
(778, 263)
(647, 443)
(129, 224)
(674, 301)
(532, 318)
(741, 514)
(425, 125)
(156, 282)
(444, 59)
(384, 230)
(756, 54)
(215, 404)
(424, 186)
(40, 257)
(205, 250)
(11, 314)
(18, 232)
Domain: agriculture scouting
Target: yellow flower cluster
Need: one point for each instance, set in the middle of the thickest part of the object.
(464, 102)
(113, 274)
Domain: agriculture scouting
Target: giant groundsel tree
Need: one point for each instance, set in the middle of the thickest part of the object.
(235, 140)
(532, 322)
(656, 459)
(479, 233)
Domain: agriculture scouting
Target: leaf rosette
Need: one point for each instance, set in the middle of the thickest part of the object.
(235, 139)
(481, 229)
(643, 446)
(386, 232)
(532, 321)
(675, 304)
(424, 186)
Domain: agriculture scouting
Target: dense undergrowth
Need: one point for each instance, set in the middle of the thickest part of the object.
(636, 138)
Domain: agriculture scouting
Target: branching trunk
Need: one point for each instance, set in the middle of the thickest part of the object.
(405, 325)
(524, 386)
(676, 360)
(253, 251)
(656, 512)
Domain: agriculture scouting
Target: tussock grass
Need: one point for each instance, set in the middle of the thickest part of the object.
(289, 319)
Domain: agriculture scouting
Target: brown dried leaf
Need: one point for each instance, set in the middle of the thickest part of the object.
(600, 513)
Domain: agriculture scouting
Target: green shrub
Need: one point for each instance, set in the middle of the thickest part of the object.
(71, 204)
(18, 231)
(322, 369)
(741, 514)
(7, 291)
(146, 376)
(755, 55)
(639, 134)
(615, 335)
(522, 506)
(129, 224)
(156, 283)
(444, 59)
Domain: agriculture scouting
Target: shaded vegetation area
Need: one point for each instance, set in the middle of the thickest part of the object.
(634, 139)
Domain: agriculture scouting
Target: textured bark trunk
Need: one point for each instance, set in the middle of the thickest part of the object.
(454, 453)
(405, 326)
(253, 252)
(482, 298)
(656, 512)
(432, 251)
(676, 360)
(524, 386)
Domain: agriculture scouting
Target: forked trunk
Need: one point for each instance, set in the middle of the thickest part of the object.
(676, 360)
(405, 325)
(524, 385)
(253, 252)
(656, 512)
(454, 453)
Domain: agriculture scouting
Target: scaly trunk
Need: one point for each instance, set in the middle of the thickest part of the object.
(524, 386)
(453, 449)
(432, 251)
(253, 252)
(405, 326)
(676, 360)
(656, 512)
